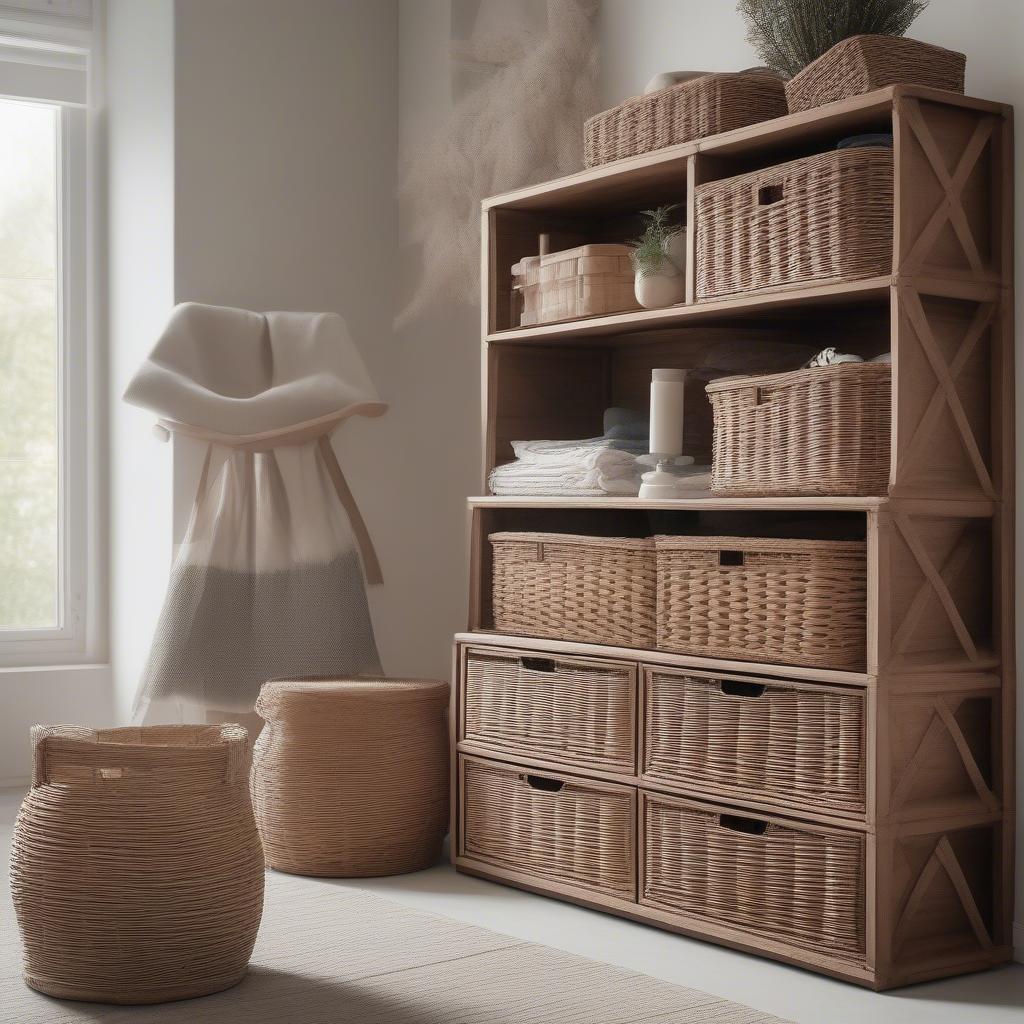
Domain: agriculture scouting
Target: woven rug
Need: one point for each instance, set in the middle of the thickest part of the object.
(329, 954)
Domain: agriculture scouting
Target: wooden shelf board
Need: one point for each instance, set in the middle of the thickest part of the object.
(652, 657)
(702, 501)
(865, 291)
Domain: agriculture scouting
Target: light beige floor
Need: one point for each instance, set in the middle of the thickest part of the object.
(996, 997)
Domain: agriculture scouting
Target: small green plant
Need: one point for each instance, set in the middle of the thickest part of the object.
(789, 34)
(649, 256)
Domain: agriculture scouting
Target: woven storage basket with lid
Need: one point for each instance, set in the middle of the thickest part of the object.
(822, 430)
(693, 109)
(136, 870)
(795, 602)
(826, 217)
(862, 63)
(350, 776)
(570, 587)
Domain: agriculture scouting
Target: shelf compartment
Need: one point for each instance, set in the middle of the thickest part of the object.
(579, 711)
(558, 827)
(750, 740)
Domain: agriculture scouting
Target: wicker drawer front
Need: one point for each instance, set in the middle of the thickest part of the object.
(826, 217)
(591, 589)
(580, 711)
(795, 602)
(790, 743)
(562, 828)
(783, 880)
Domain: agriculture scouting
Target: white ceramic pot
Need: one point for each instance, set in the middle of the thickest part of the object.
(675, 250)
(655, 291)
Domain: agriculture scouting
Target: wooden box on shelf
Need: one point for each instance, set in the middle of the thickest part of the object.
(900, 765)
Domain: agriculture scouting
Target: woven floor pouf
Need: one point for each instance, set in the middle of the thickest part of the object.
(136, 868)
(350, 776)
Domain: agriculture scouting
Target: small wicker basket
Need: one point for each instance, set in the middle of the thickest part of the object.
(590, 589)
(794, 602)
(823, 430)
(826, 217)
(681, 113)
(862, 63)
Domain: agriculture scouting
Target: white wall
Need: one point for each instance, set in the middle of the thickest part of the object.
(642, 37)
(140, 130)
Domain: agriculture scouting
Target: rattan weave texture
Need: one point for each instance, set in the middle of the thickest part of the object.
(788, 882)
(862, 63)
(568, 829)
(826, 217)
(795, 602)
(569, 587)
(802, 744)
(823, 430)
(695, 109)
(136, 870)
(578, 710)
(350, 776)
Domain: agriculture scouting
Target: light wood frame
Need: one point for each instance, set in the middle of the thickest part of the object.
(939, 683)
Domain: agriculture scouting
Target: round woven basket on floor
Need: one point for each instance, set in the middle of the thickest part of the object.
(136, 869)
(350, 776)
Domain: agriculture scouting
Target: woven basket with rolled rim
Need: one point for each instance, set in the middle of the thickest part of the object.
(571, 587)
(136, 870)
(862, 63)
(792, 883)
(801, 743)
(823, 430)
(578, 710)
(795, 602)
(691, 110)
(826, 217)
(573, 830)
(350, 776)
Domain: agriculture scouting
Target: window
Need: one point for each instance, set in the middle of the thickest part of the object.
(43, 337)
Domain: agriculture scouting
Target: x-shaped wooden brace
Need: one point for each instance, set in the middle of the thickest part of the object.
(944, 717)
(951, 207)
(942, 857)
(933, 579)
(945, 390)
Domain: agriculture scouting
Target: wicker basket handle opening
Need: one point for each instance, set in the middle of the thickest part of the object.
(543, 784)
(748, 826)
(736, 688)
(769, 195)
(728, 558)
(537, 664)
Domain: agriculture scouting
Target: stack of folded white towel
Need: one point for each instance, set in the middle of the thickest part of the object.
(591, 467)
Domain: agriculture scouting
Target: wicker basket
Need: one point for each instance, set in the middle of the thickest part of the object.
(789, 743)
(823, 430)
(590, 280)
(789, 882)
(826, 217)
(795, 602)
(571, 830)
(136, 870)
(350, 776)
(592, 589)
(860, 64)
(691, 110)
(578, 710)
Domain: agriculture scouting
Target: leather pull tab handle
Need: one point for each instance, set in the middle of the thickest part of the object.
(371, 564)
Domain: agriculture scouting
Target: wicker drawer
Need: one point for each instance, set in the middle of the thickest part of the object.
(794, 602)
(580, 711)
(783, 743)
(563, 828)
(783, 880)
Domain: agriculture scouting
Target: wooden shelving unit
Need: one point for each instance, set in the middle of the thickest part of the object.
(937, 692)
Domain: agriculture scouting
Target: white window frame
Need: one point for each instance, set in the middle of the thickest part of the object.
(76, 637)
